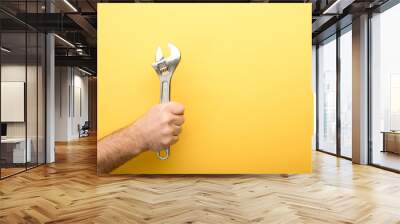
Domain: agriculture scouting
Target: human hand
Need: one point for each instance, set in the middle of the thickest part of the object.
(160, 126)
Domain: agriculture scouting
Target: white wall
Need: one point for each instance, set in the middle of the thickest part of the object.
(10, 73)
(71, 96)
(62, 81)
(16, 73)
(81, 84)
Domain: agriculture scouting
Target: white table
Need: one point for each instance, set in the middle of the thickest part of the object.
(19, 155)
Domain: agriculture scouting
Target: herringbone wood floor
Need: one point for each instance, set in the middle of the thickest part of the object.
(70, 192)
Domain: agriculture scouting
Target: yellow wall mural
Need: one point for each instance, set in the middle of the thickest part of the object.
(244, 78)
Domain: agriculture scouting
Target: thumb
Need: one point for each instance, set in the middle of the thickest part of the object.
(175, 108)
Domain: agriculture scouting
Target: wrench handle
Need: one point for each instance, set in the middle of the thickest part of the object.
(165, 95)
(165, 98)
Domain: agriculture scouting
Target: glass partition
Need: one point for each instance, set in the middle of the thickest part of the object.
(14, 153)
(22, 77)
(31, 100)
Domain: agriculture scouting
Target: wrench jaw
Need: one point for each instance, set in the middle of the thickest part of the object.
(160, 68)
(174, 59)
(159, 54)
(169, 64)
(175, 53)
(158, 62)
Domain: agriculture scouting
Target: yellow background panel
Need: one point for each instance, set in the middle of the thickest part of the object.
(244, 78)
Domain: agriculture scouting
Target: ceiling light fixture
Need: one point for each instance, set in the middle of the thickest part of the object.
(5, 50)
(64, 40)
(70, 5)
(84, 71)
(337, 7)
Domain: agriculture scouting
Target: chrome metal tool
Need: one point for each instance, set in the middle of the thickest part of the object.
(165, 68)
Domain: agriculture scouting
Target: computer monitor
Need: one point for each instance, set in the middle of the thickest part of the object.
(3, 129)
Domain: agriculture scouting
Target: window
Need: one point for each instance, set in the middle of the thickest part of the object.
(346, 93)
(327, 95)
(385, 89)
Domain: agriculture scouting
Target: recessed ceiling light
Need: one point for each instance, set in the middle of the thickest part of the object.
(5, 50)
(337, 7)
(70, 5)
(64, 40)
(84, 71)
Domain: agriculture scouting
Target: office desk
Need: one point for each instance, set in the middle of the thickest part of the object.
(13, 150)
(391, 141)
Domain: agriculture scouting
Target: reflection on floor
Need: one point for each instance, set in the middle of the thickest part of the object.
(10, 170)
(387, 159)
(346, 152)
(69, 191)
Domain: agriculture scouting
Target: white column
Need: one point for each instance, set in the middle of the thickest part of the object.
(50, 99)
(50, 92)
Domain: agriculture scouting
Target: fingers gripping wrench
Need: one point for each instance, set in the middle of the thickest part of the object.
(165, 68)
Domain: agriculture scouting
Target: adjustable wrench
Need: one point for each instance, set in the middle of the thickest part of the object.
(165, 68)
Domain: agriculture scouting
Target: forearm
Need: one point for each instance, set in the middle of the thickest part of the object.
(155, 130)
(119, 147)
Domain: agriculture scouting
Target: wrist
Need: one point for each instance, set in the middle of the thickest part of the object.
(137, 138)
